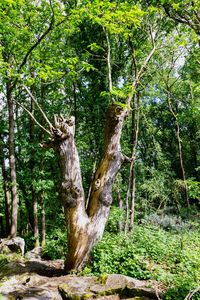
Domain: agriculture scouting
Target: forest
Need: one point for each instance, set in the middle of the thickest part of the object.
(100, 136)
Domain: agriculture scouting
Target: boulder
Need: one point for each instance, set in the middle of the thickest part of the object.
(34, 254)
(16, 244)
(92, 287)
(45, 280)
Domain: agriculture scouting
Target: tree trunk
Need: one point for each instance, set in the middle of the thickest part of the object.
(43, 225)
(86, 227)
(180, 151)
(6, 192)
(12, 160)
(130, 207)
(120, 204)
(32, 169)
(135, 132)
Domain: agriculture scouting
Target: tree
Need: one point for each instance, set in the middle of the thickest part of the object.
(16, 22)
(86, 225)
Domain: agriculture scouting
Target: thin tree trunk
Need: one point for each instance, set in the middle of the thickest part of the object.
(35, 216)
(120, 204)
(180, 151)
(32, 169)
(135, 126)
(109, 61)
(43, 223)
(6, 192)
(130, 196)
(12, 160)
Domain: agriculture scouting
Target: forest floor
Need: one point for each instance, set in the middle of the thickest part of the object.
(165, 261)
(41, 279)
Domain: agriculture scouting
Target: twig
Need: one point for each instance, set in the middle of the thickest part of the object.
(157, 295)
(191, 293)
(41, 110)
(109, 61)
(39, 39)
(32, 116)
(139, 74)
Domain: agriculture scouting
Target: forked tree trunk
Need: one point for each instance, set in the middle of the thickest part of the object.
(85, 227)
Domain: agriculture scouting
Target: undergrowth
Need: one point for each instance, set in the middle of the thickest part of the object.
(152, 253)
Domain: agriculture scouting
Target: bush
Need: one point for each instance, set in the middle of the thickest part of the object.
(151, 253)
(116, 216)
(167, 222)
(56, 245)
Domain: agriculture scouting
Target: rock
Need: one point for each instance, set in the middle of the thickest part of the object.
(45, 280)
(29, 280)
(93, 287)
(137, 298)
(112, 297)
(34, 254)
(30, 286)
(16, 244)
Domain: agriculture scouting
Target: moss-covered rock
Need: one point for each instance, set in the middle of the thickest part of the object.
(76, 288)
(22, 279)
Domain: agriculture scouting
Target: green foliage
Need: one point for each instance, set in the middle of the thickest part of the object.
(3, 260)
(67, 73)
(151, 253)
(116, 215)
(56, 245)
(116, 18)
(193, 189)
(167, 222)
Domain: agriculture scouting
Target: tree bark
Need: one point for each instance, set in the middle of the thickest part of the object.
(6, 192)
(43, 221)
(120, 204)
(32, 169)
(12, 160)
(130, 205)
(86, 227)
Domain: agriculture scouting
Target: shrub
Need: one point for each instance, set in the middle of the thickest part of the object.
(56, 245)
(152, 253)
(167, 222)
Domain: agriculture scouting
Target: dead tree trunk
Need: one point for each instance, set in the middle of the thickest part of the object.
(85, 227)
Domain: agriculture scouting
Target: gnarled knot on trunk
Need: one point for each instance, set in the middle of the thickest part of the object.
(118, 113)
(63, 127)
(97, 184)
(117, 156)
(105, 197)
(70, 193)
